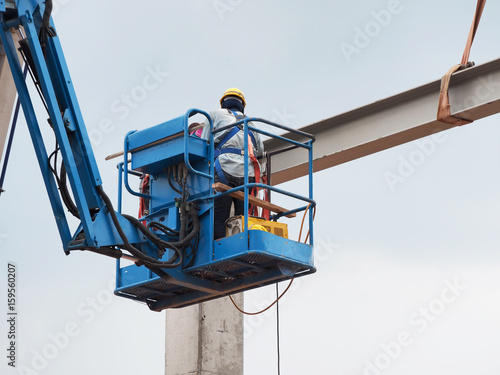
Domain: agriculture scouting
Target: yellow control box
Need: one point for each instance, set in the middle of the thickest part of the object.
(236, 224)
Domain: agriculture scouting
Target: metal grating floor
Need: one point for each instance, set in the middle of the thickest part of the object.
(232, 273)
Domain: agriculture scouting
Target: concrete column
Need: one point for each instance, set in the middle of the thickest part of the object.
(205, 339)
(8, 95)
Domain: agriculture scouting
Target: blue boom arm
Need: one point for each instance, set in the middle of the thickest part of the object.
(42, 52)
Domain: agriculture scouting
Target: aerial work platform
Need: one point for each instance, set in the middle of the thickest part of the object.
(210, 268)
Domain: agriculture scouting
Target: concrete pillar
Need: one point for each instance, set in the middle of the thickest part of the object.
(205, 339)
(8, 95)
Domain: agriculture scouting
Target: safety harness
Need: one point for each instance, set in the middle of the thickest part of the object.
(232, 150)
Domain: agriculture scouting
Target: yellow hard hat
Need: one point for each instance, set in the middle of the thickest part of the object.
(233, 92)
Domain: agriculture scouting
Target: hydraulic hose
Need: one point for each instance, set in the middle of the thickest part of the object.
(146, 259)
(46, 14)
(66, 197)
(45, 29)
(193, 212)
(156, 240)
(192, 209)
(159, 226)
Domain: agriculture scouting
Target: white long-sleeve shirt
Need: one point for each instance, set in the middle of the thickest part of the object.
(232, 163)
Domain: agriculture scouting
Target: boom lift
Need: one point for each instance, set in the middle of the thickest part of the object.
(176, 260)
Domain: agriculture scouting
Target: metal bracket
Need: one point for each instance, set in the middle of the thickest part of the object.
(69, 121)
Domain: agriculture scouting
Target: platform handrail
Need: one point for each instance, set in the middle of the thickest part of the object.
(274, 124)
(189, 113)
(311, 202)
(126, 169)
(247, 186)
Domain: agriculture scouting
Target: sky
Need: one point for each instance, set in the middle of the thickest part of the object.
(407, 279)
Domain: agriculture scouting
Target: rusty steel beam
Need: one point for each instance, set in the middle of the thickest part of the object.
(474, 94)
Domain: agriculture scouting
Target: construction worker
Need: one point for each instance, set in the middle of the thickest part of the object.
(229, 159)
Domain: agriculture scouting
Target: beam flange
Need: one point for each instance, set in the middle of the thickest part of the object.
(474, 94)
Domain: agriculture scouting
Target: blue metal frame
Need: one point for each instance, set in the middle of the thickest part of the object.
(77, 183)
(308, 145)
(74, 143)
(190, 113)
(124, 164)
(35, 132)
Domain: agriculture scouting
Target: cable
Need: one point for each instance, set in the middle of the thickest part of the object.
(46, 14)
(302, 223)
(277, 303)
(278, 297)
(28, 61)
(175, 260)
(267, 308)
(145, 259)
(63, 188)
(46, 30)
(29, 67)
(289, 285)
(61, 182)
(169, 179)
(194, 250)
(163, 228)
(278, 330)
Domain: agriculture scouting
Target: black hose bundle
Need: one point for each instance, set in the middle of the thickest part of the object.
(148, 261)
(66, 196)
(46, 30)
(189, 223)
(177, 258)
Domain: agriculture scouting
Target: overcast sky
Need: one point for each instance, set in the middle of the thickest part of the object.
(407, 279)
